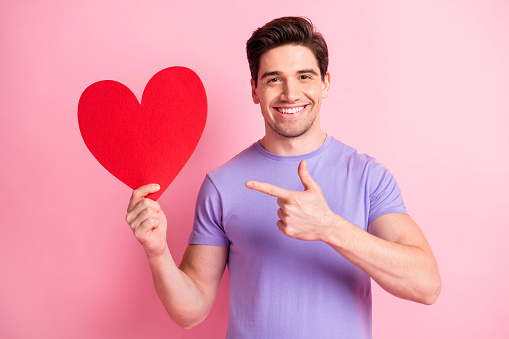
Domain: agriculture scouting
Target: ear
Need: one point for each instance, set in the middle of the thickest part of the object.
(253, 93)
(325, 85)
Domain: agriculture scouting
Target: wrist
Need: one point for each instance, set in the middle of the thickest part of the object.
(335, 231)
(154, 256)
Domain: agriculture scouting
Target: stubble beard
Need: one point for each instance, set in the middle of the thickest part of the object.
(292, 131)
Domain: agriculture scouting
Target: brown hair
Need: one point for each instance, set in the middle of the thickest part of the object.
(286, 31)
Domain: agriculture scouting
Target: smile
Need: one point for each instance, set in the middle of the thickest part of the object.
(290, 110)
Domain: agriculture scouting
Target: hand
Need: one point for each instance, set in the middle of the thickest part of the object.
(303, 215)
(147, 220)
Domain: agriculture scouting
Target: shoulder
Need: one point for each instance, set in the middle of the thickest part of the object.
(235, 171)
(358, 166)
(350, 156)
(239, 161)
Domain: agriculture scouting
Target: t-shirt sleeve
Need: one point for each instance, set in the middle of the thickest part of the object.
(385, 195)
(207, 226)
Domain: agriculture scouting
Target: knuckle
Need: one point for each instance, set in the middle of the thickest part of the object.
(137, 233)
(142, 228)
(136, 195)
(145, 202)
(290, 208)
(282, 202)
(152, 213)
(150, 222)
(271, 190)
(289, 231)
(280, 225)
(148, 213)
(133, 196)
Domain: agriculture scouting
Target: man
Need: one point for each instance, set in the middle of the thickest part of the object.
(302, 220)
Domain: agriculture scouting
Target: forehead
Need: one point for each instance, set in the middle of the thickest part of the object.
(288, 59)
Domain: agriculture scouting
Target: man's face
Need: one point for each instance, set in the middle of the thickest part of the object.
(290, 90)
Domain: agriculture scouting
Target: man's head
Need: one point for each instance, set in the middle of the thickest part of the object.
(288, 62)
(286, 31)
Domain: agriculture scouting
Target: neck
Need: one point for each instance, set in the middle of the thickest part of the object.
(306, 143)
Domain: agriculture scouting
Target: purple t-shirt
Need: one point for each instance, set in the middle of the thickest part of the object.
(282, 287)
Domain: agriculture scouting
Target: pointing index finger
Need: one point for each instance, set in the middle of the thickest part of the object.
(269, 189)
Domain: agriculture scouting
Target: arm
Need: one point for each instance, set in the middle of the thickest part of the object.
(395, 253)
(188, 292)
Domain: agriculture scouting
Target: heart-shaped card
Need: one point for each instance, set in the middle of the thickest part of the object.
(148, 142)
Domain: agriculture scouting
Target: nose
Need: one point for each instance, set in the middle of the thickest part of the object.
(290, 92)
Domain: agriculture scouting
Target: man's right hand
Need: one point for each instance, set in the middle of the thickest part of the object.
(188, 292)
(147, 220)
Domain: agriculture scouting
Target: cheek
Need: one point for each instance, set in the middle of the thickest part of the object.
(314, 94)
(267, 97)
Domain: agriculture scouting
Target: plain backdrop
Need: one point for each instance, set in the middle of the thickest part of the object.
(421, 85)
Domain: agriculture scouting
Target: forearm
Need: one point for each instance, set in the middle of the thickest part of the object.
(398, 258)
(182, 298)
(187, 293)
(404, 270)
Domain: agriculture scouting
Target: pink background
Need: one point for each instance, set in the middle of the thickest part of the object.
(421, 85)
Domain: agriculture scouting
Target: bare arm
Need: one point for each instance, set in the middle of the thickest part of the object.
(188, 292)
(395, 253)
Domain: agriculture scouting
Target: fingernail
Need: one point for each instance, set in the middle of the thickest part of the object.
(156, 187)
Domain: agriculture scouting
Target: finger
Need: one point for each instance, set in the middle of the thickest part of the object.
(282, 202)
(281, 214)
(145, 226)
(281, 225)
(143, 205)
(141, 217)
(268, 189)
(305, 177)
(139, 193)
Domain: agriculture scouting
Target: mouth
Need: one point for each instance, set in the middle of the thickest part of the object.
(290, 110)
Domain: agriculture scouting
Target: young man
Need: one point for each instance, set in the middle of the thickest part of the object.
(302, 220)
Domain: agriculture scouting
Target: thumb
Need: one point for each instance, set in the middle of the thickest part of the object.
(305, 177)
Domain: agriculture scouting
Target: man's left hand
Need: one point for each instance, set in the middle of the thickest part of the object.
(303, 215)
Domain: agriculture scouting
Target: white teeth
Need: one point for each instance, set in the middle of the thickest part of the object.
(290, 110)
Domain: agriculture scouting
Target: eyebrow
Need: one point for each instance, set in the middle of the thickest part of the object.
(303, 71)
(269, 74)
(307, 71)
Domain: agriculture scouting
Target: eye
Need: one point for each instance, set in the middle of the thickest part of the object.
(272, 80)
(305, 77)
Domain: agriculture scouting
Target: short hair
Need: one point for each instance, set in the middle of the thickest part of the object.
(286, 31)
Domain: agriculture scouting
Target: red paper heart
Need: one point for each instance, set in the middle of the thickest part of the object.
(147, 143)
